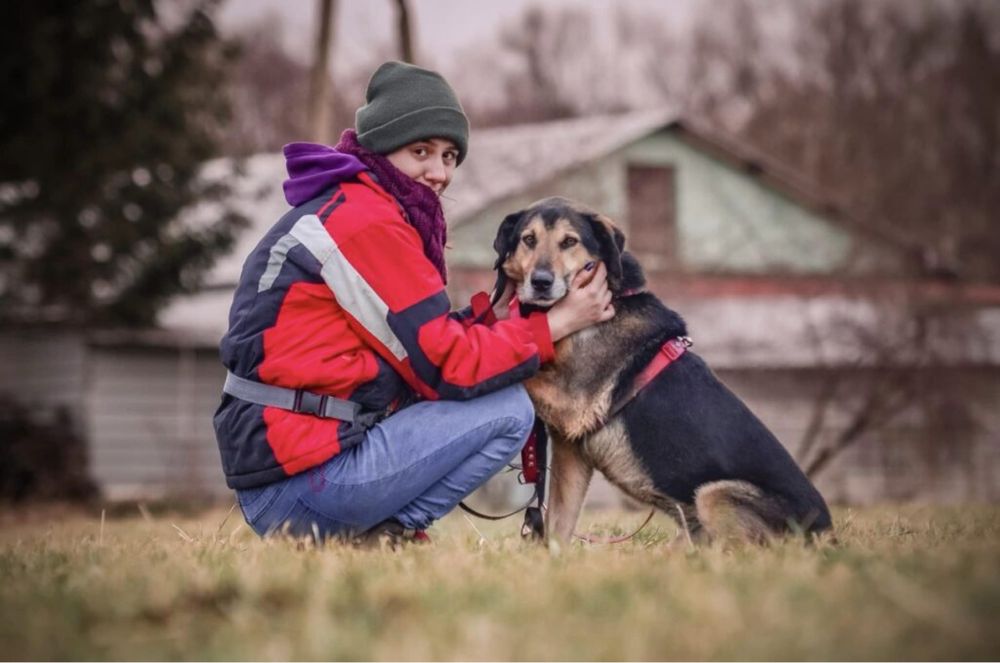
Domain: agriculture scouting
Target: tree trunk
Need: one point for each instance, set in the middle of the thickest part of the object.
(405, 32)
(319, 82)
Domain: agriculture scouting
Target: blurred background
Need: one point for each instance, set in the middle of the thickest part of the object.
(813, 184)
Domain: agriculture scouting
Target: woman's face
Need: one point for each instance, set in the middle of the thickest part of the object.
(431, 162)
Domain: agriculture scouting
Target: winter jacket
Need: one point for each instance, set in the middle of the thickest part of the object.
(339, 299)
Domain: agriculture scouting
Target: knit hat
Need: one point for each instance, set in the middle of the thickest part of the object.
(406, 103)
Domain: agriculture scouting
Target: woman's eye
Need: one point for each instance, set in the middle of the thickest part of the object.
(420, 151)
(451, 157)
(568, 242)
(529, 241)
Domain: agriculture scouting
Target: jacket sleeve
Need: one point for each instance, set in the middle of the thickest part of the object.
(479, 311)
(396, 300)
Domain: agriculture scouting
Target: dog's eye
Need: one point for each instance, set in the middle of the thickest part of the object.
(529, 241)
(568, 242)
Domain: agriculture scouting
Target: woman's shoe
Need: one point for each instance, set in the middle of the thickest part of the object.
(392, 534)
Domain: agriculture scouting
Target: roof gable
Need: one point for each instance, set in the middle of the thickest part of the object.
(504, 161)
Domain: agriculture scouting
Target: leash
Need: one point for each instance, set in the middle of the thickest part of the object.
(614, 539)
(486, 516)
(533, 470)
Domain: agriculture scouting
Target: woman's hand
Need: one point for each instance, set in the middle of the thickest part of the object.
(587, 302)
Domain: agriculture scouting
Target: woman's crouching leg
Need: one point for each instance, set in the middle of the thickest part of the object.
(416, 465)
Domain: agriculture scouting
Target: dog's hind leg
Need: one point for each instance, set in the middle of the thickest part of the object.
(570, 478)
(739, 510)
(689, 529)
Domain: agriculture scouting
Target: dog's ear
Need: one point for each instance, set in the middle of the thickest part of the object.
(612, 243)
(504, 243)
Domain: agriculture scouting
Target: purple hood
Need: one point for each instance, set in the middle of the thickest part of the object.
(313, 168)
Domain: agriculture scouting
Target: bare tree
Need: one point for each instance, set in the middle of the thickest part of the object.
(909, 358)
(269, 90)
(319, 80)
(897, 113)
(893, 110)
(549, 64)
(404, 32)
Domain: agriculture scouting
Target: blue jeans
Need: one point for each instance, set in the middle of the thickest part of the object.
(414, 466)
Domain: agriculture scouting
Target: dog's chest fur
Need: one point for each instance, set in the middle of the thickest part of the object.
(574, 394)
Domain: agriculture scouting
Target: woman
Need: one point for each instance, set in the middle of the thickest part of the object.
(357, 403)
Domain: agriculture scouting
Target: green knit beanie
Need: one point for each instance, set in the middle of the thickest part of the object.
(406, 104)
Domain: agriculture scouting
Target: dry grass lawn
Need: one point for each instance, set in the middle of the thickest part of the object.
(903, 583)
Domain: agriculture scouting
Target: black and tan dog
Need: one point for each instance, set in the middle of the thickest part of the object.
(683, 442)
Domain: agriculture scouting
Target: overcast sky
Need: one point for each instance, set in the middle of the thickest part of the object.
(444, 28)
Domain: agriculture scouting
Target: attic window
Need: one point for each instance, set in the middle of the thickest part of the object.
(652, 218)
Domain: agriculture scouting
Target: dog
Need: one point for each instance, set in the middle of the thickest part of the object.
(683, 443)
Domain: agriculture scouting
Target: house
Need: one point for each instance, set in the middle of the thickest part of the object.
(778, 284)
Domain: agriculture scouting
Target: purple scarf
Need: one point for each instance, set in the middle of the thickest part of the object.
(421, 204)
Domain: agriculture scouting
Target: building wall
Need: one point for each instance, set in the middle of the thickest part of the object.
(46, 370)
(149, 422)
(147, 415)
(911, 459)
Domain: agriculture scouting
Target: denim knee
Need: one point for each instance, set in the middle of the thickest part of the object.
(518, 408)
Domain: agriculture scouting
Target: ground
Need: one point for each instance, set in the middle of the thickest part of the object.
(900, 583)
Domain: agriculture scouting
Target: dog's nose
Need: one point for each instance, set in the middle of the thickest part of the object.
(542, 279)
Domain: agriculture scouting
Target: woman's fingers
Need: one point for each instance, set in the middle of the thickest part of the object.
(592, 273)
(588, 302)
(607, 310)
(599, 295)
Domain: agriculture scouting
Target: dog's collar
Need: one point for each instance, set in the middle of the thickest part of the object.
(528, 309)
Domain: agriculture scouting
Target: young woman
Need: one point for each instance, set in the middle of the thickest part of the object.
(357, 403)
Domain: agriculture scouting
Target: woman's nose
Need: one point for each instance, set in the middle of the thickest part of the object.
(436, 171)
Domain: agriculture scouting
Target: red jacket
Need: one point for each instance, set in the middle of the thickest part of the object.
(339, 299)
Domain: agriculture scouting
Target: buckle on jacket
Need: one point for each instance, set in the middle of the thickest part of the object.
(307, 402)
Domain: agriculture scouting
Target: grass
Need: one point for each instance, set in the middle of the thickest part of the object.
(903, 583)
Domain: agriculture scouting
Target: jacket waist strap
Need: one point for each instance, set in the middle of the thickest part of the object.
(295, 400)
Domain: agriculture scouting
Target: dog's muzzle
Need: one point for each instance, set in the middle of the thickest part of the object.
(542, 280)
(542, 287)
